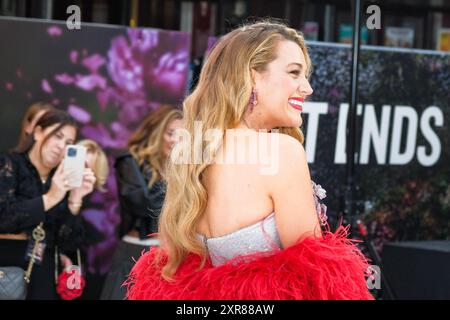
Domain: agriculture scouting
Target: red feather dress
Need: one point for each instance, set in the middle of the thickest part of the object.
(331, 267)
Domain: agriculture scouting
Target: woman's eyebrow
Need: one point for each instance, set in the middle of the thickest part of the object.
(296, 64)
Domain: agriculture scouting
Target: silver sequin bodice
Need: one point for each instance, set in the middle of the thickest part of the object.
(261, 236)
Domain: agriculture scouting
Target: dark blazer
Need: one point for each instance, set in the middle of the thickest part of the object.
(140, 206)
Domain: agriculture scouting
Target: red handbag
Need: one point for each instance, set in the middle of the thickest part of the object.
(70, 282)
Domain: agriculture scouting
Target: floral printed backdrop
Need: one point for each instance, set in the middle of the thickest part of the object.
(107, 78)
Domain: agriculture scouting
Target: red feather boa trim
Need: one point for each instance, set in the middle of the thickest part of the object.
(331, 267)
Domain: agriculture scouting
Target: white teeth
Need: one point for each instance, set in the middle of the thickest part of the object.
(298, 103)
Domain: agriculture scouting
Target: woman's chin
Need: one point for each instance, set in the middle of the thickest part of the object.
(296, 121)
(52, 163)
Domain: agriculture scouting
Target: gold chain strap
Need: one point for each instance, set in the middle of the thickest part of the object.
(38, 236)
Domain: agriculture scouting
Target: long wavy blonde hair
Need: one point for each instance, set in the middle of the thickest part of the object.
(219, 101)
(145, 144)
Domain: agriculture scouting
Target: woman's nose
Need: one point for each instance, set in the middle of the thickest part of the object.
(61, 145)
(305, 88)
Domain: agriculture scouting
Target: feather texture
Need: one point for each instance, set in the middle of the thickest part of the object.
(331, 267)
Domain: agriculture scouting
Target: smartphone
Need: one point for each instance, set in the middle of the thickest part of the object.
(75, 160)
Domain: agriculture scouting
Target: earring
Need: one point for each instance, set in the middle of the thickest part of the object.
(253, 101)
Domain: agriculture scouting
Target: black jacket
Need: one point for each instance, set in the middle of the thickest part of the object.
(140, 206)
(22, 207)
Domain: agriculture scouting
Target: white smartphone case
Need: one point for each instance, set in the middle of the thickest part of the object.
(74, 160)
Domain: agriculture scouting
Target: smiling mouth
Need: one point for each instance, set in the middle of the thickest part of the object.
(296, 103)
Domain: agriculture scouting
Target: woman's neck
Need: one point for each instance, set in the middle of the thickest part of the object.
(35, 159)
(252, 121)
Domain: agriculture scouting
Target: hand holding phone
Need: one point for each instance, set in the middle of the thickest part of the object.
(74, 165)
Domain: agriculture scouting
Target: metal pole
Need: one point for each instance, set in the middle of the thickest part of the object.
(350, 201)
(351, 125)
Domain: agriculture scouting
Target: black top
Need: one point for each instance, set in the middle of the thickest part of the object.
(22, 206)
(140, 206)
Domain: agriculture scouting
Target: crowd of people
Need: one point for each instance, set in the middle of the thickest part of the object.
(198, 230)
(35, 194)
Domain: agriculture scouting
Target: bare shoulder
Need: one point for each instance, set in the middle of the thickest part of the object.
(290, 146)
(290, 155)
(292, 194)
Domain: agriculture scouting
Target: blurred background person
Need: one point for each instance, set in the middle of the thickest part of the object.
(141, 186)
(96, 160)
(35, 194)
(30, 118)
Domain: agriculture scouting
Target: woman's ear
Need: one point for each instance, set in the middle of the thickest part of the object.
(256, 78)
(37, 133)
(253, 74)
(28, 129)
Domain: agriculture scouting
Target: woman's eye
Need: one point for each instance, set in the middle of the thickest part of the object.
(295, 72)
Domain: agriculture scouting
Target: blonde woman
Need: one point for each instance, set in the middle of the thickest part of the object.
(230, 229)
(97, 161)
(141, 177)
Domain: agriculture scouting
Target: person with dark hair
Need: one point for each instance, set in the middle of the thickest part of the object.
(140, 176)
(36, 198)
(29, 120)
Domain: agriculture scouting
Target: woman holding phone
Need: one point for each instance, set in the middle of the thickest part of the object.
(35, 191)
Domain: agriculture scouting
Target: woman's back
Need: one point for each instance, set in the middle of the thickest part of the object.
(238, 194)
(242, 192)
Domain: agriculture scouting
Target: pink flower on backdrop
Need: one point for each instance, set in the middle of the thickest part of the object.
(73, 56)
(64, 78)
(102, 135)
(168, 79)
(9, 86)
(45, 85)
(143, 40)
(151, 69)
(90, 82)
(105, 221)
(123, 67)
(79, 114)
(103, 98)
(106, 96)
(121, 132)
(93, 62)
(54, 31)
